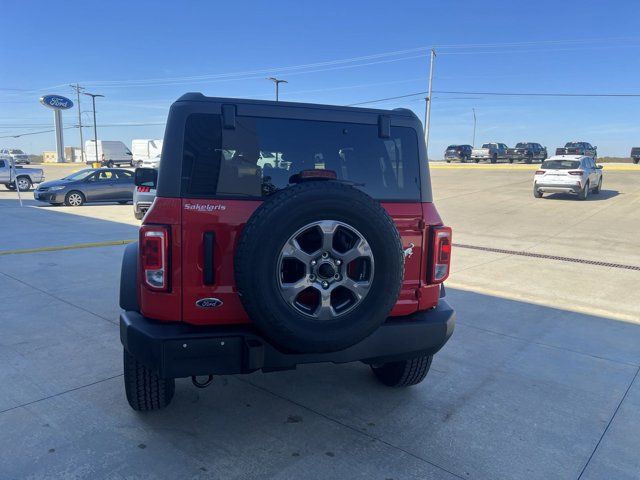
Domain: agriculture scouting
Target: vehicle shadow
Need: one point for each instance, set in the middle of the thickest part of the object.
(593, 197)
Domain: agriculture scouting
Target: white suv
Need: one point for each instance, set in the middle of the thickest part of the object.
(575, 174)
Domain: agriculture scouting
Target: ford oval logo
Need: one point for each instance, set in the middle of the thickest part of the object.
(209, 302)
(57, 102)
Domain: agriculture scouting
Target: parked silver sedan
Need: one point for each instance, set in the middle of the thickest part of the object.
(574, 174)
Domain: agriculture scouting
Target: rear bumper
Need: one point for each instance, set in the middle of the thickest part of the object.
(177, 349)
(559, 188)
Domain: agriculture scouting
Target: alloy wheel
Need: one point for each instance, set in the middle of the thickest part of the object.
(325, 269)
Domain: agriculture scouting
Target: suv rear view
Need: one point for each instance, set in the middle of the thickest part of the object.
(331, 251)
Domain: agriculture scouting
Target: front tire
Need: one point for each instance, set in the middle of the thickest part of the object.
(403, 373)
(598, 189)
(584, 194)
(74, 199)
(145, 390)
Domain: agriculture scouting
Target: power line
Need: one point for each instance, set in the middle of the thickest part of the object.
(505, 94)
(540, 94)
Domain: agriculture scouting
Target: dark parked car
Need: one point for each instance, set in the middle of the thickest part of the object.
(578, 148)
(635, 154)
(89, 185)
(526, 152)
(457, 152)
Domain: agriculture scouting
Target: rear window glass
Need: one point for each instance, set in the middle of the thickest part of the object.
(260, 155)
(560, 164)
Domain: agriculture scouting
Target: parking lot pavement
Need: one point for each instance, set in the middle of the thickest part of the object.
(538, 381)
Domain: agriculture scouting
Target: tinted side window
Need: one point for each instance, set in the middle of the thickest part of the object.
(260, 156)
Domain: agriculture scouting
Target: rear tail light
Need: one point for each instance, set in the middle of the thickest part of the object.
(144, 189)
(154, 256)
(539, 172)
(441, 254)
(575, 172)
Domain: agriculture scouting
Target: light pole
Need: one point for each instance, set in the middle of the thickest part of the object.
(427, 113)
(474, 127)
(78, 90)
(277, 83)
(95, 127)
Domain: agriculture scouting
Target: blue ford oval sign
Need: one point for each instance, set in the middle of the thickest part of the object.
(57, 102)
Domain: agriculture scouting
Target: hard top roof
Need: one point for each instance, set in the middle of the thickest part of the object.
(199, 97)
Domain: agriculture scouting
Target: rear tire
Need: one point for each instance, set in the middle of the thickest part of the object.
(145, 390)
(23, 183)
(537, 193)
(403, 373)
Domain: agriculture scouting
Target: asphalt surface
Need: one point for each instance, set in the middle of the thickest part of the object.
(538, 381)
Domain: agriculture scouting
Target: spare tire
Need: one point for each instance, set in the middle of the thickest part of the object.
(319, 266)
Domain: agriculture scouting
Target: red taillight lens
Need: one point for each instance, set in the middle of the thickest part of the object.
(144, 189)
(441, 254)
(154, 256)
(575, 172)
(539, 172)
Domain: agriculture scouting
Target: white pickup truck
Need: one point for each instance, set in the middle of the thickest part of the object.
(490, 151)
(24, 177)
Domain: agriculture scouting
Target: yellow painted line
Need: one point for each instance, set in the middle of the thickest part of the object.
(76, 246)
(595, 311)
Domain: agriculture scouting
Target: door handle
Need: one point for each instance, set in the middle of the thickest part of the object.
(208, 273)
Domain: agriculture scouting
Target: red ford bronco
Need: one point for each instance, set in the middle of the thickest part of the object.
(282, 234)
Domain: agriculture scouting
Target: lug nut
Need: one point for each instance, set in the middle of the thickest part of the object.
(313, 263)
(338, 262)
(325, 284)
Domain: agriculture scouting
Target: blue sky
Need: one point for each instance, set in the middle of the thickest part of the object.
(143, 55)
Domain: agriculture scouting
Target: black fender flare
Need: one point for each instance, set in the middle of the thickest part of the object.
(129, 279)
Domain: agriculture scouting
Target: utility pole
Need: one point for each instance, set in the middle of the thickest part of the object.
(277, 84)
(427, 113)
(78, 90)
(474, 127)
(95, 127)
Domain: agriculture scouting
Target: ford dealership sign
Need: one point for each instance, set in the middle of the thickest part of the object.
(57, 102)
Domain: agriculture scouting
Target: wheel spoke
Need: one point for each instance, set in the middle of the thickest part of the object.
(292, 250)
(325, 311)
(361, 249)
(290, 291)
(328, 228)
(359, 289)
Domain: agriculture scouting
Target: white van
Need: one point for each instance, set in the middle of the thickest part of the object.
(110, 153)
(145, 149)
